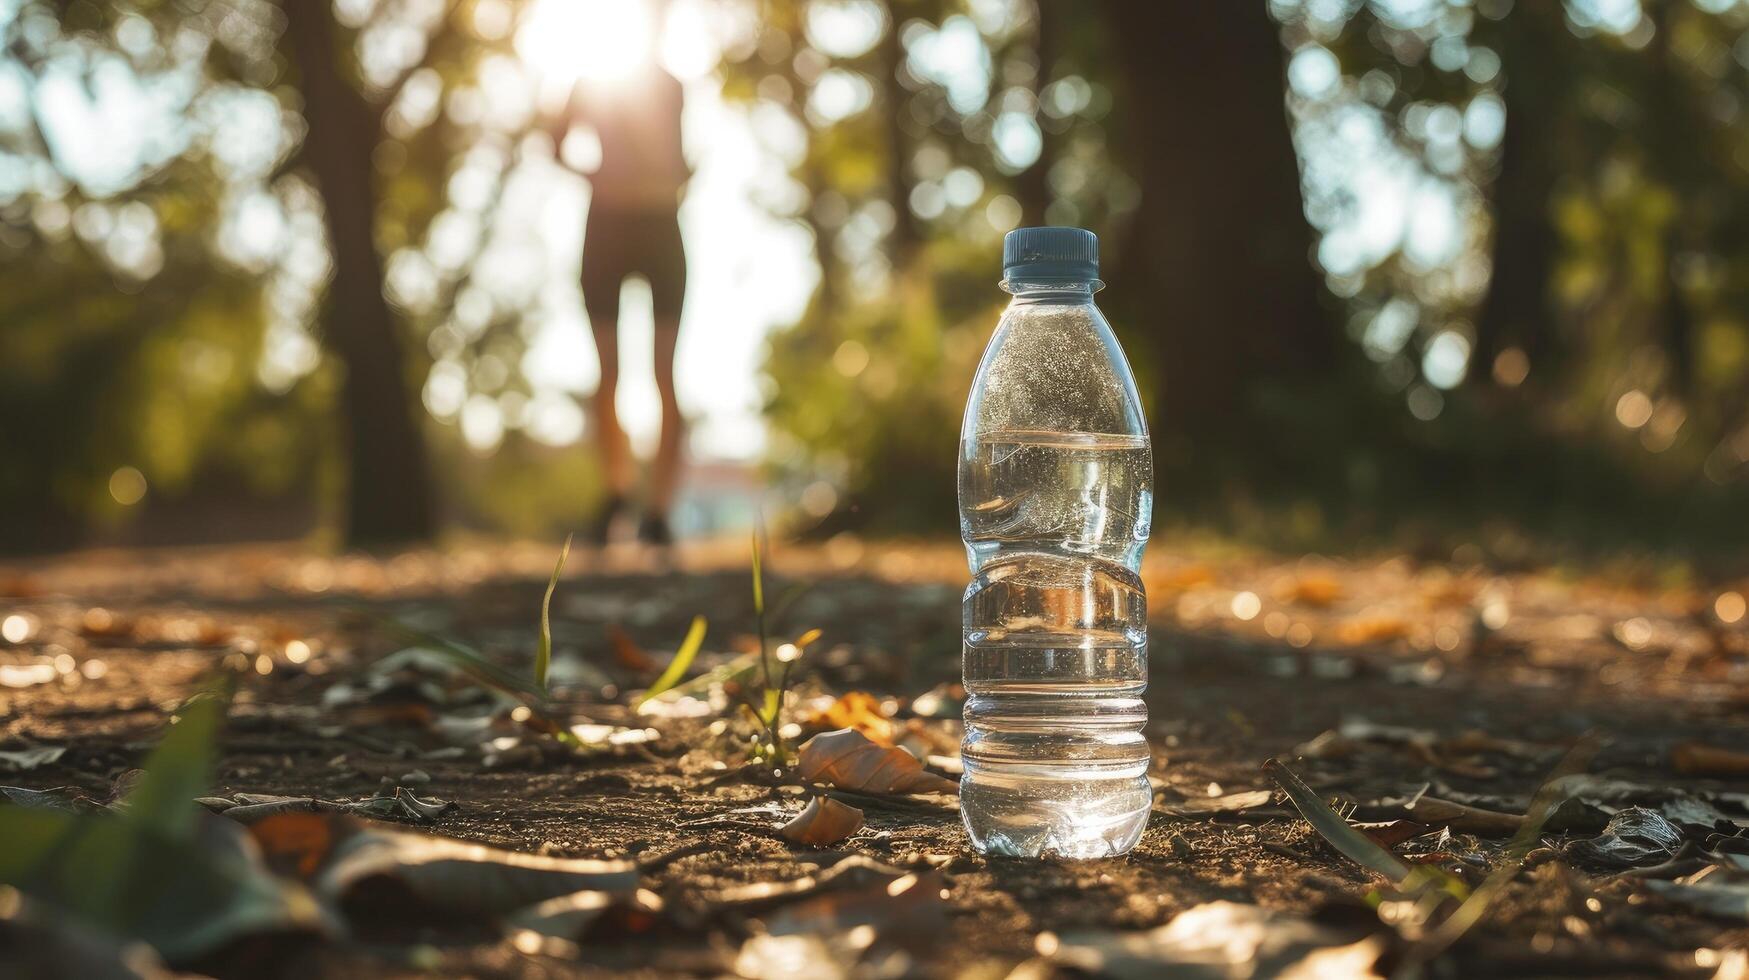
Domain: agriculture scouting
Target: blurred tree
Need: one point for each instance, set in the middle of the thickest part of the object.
(1215, 268)
(388, 497)
(1540, 66)
(271, 166)
(1481, 190)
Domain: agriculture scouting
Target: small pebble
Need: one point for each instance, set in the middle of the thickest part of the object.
(1181, 847)
(417, 777)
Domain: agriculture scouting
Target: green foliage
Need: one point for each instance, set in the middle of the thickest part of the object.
(152, 872)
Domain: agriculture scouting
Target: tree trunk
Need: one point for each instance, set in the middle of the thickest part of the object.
(1033, 185)
(1674, 145)
(896, 101)
(388, 498)
(1216, 276)
(1516, 310)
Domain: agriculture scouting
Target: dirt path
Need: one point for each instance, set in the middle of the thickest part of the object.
(1252, 658)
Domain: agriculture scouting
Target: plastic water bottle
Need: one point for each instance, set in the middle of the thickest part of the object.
(1056, 498)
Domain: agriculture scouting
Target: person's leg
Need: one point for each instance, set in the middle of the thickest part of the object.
(667, 294)
(603, 273)
(610, 438)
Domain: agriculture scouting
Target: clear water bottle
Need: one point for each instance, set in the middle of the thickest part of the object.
(1056, 498)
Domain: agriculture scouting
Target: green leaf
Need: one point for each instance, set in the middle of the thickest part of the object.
(543, 651)
(1333, 828)
(185, 897)
(155, 871)
(773, 701)
(179, 769)
(682, 660)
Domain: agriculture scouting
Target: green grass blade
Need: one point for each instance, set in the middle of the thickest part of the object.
(682, 661)
(469, 661)
(1548, 798)
(1333, 828)
(543, 651)
(758, 578)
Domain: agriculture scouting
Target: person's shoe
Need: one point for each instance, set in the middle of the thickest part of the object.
(601, 525)
(654, 530)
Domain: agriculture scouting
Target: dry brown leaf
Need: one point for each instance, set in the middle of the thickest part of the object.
(336, 854)
(1701, 759)
(295, 841)
(848, 760)
(1313, 590)
(823, 823)
(1179, 580)
(1372, 629)
(859, 710)
(628, 654)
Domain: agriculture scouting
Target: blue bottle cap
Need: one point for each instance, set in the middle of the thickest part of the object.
(1032, 254)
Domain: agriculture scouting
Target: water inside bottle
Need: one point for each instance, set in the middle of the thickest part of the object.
(1055, 651)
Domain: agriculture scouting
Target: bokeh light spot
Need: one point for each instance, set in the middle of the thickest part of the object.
(1246, 605)
(1633, 409)
(15, 629)
(127, 486)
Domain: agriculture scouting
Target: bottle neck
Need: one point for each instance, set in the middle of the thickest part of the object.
(1051, 291)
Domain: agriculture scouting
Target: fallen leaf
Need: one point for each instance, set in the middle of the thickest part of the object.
(294, 843)
(791, 958)
(609, 915)
(160, 870)
(1317, 590)
(1463, 818)
(1700, 759)
(855, 709)
(847, 759)
(870, 924)
(37, 940)
(627, 653)
(399, 805)
(1393, 832)
(1702, 812)
(854, 871)
(1334, 829)
(1365, 630)
(438, 874)
(60, 798)
(1202, 806)
(1634, 837)
(1722, 900)
(1177, 580)
(1218, 941)
(30, 757)
(823, 822)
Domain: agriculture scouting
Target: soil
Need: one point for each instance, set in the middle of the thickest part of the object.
(1532, 656)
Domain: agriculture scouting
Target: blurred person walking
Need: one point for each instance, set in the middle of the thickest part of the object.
(633, 228)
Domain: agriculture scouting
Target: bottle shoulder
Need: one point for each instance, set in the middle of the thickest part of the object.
(1054, 368)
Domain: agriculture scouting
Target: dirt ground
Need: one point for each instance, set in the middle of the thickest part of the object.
(1253, 657)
